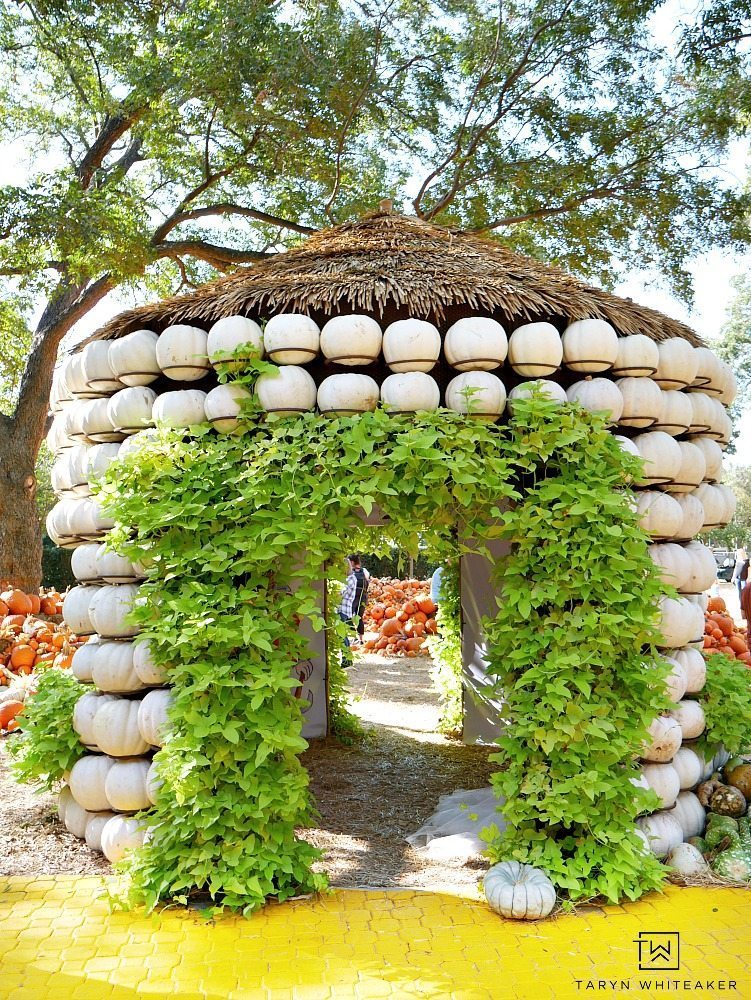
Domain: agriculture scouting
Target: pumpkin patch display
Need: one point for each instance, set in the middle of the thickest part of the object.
(399, 617)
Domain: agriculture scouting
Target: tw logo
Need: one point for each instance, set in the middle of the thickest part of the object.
(659, 951)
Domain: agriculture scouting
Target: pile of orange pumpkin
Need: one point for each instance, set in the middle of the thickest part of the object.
(721, 634)
(32, 634)
(402, 616)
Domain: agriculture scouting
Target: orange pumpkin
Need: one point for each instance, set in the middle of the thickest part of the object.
(427, 605)
(36, 603)
(14, 622)
(9, 710)
(19, 603)
(47, 606)
(716, 604)
(390, 627)
(738, 644)
(3, 609)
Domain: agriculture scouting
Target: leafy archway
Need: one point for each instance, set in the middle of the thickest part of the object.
(222, 523)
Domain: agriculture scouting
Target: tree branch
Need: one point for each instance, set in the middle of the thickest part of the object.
(113, 129)
(227, 208)
(219, 257)
(597, 194)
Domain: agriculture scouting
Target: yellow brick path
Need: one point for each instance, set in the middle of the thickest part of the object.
(60, 942)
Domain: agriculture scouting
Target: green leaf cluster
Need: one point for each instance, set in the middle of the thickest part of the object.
(49, 745)
(726, 700)
(234, 531)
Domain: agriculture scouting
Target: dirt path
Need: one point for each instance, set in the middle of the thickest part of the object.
(371, 796)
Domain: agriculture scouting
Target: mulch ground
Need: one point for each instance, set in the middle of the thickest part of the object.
(369, 796)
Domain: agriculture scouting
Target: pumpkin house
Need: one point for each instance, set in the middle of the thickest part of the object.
(396, 314)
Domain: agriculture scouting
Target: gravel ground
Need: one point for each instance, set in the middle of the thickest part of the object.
(369, 796)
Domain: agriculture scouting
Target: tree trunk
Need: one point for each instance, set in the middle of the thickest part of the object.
(21, 435)
(20, 536)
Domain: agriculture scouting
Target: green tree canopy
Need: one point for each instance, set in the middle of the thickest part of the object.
(165, 142)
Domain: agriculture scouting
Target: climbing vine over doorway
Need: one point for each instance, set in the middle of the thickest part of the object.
(219, 521)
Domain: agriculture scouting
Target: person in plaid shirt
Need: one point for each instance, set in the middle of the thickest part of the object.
(354, 596)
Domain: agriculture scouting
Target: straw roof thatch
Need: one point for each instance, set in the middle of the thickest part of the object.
(392, 266)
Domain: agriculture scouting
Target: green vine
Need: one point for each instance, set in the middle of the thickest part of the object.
(218, 520)
(446, 651)
(49, 746)
(726, 700)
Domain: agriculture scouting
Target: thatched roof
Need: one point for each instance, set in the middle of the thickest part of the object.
(391, 266)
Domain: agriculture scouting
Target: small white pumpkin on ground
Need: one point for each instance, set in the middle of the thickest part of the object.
(519, 891)
(120, 835)
(76, 818)
(663, 832)
(94, 827)
(686, 859)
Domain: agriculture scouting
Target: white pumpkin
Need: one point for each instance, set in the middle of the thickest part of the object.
(549, 390)
(675, 682)
(589, 345)
(598, 395)
(126, 784)
(624, 443)
(351, 340)
(709, 373)
(690, 717)
(664, 781)
(116, 731)
(663, 832)
(689, 767)
(690, 814)
(223, 405)
(87, 780)
(152, 717)
(64, 799)
(129, 410)
(77, 609)
(148, 671)
(695, 667)
(228, 335)
(642, 401)
(153, 782)
(677, 365)
(691, 471)
(692, 515)
(675, 413)
(672, 562)
(712, 458)
(731, 503)
(84, 713)
(637, 356)
(109, 608)
(664, 740)
(719, 422)
(702, 413)
(535, 350)
(181, 408)
(100, 457)
(713, 504)
(475, 343)
(288, 391)
(518, 891)
(729, 384)
(94, 827)
(660, 515)
(83, 659)
(410, 392)
(57, 440)
(680, 622)
(703, 569)
(686, 859)
(182, 354)
(662, 457)
(701, 600)
(112, 669)
(133, 358)
(120, 835)
(478, 394)
(136, 441)
(86, 520)
(97, 369)
(74, 418)
(113, 568)
(411, 345)
(76, 818)
(291, 339)
(343, 395)
(83, 562)
(75, 378)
